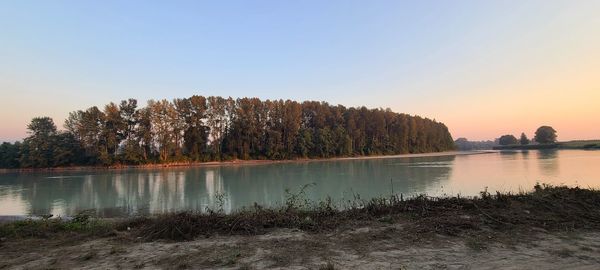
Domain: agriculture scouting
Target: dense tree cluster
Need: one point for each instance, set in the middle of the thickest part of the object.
(462, 144)
(543, 135)
(216, 128)
(507, 140)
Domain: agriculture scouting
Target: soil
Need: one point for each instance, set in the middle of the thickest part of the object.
(364, 245)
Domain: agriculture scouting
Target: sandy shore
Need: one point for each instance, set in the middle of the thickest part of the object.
(370, 246)
(549, 228)
(233, 162)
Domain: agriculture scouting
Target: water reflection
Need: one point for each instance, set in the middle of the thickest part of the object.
(548, 162)
(509, 154)
(145, 191)
(154, 191)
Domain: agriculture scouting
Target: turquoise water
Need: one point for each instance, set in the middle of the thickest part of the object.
(143, 191)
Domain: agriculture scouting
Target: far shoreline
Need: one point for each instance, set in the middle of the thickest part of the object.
(233, 162)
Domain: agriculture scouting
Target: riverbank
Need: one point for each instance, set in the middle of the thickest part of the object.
(547, 228)
(228, 163)
(578, 144)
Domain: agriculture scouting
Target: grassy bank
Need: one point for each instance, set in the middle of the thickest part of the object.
(546, 207)
(578, 144)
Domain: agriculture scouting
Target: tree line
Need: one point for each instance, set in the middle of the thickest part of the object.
(543, 135)
(462, 144)
(215, 128)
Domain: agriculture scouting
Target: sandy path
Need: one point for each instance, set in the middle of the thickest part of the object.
(375, 246)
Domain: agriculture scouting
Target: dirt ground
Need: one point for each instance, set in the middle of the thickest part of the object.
(371, 245)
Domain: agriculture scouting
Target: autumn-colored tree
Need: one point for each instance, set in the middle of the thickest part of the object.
(216, 128)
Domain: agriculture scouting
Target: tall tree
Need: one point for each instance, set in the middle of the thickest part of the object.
(133, 153)
(9, 155)
(193, 112)
(216, 128)
(524, 140)
(144, 133)
(67, 150)
(38, 147)
(92, 125)
(163, 116)
(545, 135)
(216, 122)
(128, 110)
(114, 129)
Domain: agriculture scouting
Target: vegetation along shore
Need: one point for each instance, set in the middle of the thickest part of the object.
(577, 144)
(549, 227)
(200, 129)
(231, 162)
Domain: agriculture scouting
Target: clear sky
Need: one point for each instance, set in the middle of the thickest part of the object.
(485, 68)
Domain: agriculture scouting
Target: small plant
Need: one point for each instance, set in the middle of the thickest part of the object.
(297, 200)
(220, 198)
(485, 194)
(82, 217)
(219, 206)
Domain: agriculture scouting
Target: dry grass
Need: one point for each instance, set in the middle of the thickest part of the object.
(547, 207)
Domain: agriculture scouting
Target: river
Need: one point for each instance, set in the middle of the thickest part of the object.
(147, 191)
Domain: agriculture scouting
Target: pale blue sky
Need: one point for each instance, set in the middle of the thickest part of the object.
(439, 59)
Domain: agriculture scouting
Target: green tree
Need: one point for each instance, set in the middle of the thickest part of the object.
(67, 150)
(508, 140)
(524, 140)
(201, 129)
(132, 153)
(128, 110)
(162, 117)
(88, 128)
(39, 145)
(144, 133)
(193, 112)
(545, 135)
(304, 143)
(9, 155)
(292, 118)
(217, 123)
(114, 129)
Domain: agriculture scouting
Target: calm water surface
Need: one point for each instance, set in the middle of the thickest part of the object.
(121, 193)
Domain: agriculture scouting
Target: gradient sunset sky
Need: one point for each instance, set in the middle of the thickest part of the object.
(484, 68)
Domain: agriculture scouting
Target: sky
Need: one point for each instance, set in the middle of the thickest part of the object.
(484, 68)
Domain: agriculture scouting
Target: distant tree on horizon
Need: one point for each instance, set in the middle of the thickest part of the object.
(463, 144)
(508, 140)
(545, 135)
(524, 140)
